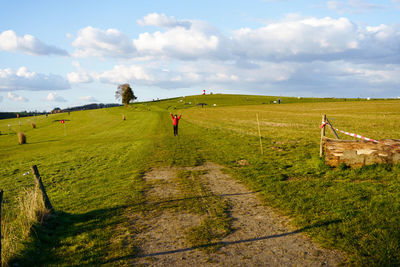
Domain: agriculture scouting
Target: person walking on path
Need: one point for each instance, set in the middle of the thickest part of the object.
(175, 121)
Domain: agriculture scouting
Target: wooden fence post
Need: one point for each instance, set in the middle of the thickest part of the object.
(1, 201)
(321, 148)
(41, 186)
(259, 134)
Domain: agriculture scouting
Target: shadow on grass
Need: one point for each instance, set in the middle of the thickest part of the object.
(224, 243)
(72, 233)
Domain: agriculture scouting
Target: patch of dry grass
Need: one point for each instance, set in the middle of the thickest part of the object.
(30, 210)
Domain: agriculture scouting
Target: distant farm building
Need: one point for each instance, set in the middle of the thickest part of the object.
(56, 110)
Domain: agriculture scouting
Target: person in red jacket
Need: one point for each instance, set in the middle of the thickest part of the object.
(175, 121)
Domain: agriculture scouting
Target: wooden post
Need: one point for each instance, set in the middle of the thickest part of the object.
(1, 200)
(41, 186)
(321, 148)
(333, 129)
(259, 134)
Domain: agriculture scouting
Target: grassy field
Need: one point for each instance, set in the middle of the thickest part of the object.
(355, 210)
(94, 174)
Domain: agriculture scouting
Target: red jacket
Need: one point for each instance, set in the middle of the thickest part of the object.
(175, 121)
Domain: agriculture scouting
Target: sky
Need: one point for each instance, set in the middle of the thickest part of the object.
(66, 53)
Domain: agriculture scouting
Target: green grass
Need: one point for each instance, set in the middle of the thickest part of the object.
(223, 100)
(357, 208)
(93, 175)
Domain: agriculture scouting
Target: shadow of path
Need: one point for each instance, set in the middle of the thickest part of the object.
(225, 243)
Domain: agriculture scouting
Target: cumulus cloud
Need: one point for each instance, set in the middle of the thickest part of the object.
(15, 97)
(161, 20)
(291, 39)
(23, 79)
(199, 41)
(122, 74)
(309, 54)
(88, 98)
(288, 40)
(9, 41)
(102, 43)
(54, 97)
(79, 77)
(325, 39)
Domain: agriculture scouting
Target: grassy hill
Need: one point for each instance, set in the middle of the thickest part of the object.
(93, 171)
(219, 100)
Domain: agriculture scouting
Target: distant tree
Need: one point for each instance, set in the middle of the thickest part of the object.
(124, 92)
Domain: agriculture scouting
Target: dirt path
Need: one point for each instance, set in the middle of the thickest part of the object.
(260, 237)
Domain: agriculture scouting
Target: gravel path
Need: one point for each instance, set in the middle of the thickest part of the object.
(260, 237)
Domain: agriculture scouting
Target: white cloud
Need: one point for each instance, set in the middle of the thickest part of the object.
(1, 99)
(88, 99)
(102, 43)
(294, 38)
(308, 55)
(54, 97)
(291, 39)
(161, 20)
(79, 77)
(198, 41)
(17, 98)
(23, 79)
(123, 74)
(325, 39)
(9, 41)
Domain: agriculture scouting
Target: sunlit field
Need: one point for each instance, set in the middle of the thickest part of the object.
(359, 209)
(93, 171)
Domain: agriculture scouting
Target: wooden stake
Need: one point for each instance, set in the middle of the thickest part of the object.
(321, 149)
(1, 200)
(259, 134)
(333, 129)
(36, 174)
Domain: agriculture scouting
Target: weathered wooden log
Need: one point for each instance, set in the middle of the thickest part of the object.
(36, 174)
(358, 153)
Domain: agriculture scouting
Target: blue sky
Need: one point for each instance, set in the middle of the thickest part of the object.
(67, 53)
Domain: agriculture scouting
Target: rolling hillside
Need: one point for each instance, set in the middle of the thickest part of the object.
(93, 171)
